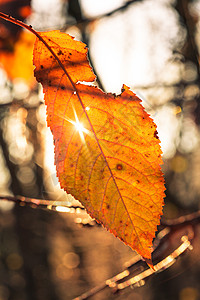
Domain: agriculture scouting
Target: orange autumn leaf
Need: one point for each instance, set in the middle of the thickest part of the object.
(107, 151)
(18, 62)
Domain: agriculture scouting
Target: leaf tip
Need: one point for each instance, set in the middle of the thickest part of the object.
(149, 263)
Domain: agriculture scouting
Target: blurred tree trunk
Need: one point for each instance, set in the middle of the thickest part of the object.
(29, 229)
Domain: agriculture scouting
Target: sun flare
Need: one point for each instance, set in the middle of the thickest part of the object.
(79, 127)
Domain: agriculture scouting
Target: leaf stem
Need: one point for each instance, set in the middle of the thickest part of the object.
(29, 28)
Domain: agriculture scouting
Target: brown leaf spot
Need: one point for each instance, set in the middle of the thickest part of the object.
(119, 167)
(60, 52)
(156, 134)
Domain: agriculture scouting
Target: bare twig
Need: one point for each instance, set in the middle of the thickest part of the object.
(183, 220)
(86, 21)
(53, 204)
(117, 284)
(41, 203)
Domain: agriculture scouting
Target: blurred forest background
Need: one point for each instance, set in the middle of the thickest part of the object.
(153, 47)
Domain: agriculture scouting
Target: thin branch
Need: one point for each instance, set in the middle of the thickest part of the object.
(52, 204)
(137, 280)
(41, 203)
(85, 21)
(183, 220)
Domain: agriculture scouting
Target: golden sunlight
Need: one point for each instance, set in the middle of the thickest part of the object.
(79, 127)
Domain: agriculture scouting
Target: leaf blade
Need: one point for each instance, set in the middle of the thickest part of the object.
(108, 161)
